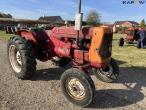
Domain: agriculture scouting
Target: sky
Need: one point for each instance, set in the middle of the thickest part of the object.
(109, 10)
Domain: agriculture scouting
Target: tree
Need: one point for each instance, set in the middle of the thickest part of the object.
(3, 15)
(142, 24)
(9, 16)
(93, 18)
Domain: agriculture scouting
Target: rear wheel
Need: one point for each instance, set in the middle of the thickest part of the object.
(121, 42)
(77, 87)
(108, 74)
(21, 57)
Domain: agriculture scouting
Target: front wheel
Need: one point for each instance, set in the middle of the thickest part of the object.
(108, 74)
(77, 87)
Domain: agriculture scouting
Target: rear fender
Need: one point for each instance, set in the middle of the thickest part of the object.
(40, 49)
(28, 35)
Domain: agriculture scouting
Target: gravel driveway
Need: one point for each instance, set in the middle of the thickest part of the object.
(43, 91)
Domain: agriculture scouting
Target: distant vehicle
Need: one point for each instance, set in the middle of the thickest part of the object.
(13, 29)
(131, 37)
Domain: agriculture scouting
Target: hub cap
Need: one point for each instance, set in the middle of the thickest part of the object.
(108, 71)
(15, 58)
(18, 57)
(75, 89)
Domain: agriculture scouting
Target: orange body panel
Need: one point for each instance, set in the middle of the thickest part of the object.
(97, 39)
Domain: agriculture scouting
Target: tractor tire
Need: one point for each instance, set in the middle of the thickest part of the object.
(108, 74)
(139, 43)
(121, 42)
(21, 57)
(77, 87)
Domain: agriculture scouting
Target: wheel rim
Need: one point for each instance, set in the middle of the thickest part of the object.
(15, 59)
(75, 89)
(108, 71)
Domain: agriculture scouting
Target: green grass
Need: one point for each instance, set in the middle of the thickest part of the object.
(5, 36)
(128, 55)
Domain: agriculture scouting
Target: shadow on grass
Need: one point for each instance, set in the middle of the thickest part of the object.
(119, 62)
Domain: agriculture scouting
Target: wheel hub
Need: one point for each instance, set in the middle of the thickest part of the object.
(108, 71)
(76, 89)
(18, 57)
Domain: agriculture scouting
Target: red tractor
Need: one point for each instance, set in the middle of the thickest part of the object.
(131, 37)
(89, 49)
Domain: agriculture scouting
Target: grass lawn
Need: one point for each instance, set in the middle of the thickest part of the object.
(128, 55)
(5, 36)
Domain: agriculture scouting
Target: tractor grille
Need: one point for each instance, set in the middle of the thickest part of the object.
(106, 47)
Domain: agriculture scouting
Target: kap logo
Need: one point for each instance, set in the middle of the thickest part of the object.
(132, 2)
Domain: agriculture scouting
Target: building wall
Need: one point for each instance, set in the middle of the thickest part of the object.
(127, 24)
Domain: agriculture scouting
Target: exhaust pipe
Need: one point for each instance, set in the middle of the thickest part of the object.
(78, 21)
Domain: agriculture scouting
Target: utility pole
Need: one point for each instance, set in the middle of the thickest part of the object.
(78, 21)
